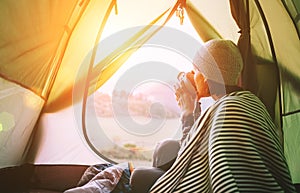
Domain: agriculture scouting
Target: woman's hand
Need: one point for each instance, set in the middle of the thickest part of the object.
(186, 94)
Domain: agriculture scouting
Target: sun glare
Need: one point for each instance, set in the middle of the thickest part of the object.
(7, 121)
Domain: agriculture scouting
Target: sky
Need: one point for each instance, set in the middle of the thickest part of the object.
(146, 54)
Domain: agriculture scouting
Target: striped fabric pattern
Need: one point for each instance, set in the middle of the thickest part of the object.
(232, 147)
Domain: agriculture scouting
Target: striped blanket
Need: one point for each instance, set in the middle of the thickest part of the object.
(232, 147)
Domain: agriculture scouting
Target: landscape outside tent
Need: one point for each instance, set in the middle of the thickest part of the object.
(146, 101)
(149, 101)
(127, 145)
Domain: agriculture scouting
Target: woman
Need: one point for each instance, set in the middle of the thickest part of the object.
(233, 146)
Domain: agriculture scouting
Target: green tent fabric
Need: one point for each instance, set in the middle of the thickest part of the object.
(282, 53)
(47, 47)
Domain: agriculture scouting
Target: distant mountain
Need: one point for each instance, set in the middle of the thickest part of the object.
(151, 100)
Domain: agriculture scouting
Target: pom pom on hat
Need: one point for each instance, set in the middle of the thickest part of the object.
(219, 61)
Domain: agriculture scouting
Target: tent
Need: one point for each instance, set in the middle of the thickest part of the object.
(56, 54)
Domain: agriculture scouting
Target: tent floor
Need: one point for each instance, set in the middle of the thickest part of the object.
(40, 178)
(29, 178)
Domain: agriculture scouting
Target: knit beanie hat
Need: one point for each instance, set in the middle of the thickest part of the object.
(219, 61)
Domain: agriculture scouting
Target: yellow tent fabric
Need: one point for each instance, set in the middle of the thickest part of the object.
(77, 54)
(202, 26)
(32, 38)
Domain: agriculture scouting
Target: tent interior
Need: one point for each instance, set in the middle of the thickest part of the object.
(72, 72)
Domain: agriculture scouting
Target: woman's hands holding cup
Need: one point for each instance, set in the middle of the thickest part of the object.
(185, 92)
